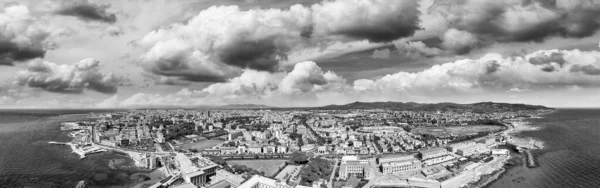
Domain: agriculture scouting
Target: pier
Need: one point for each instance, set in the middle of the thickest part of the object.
(81, 151)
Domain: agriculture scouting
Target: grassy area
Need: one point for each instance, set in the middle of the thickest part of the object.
(270, 167)
(201, 145)
(456, 130)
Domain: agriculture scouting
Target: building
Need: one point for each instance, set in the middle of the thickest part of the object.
(196, 170)
(222, 175)
(257, 181)
(282, 149)
(435, 171)
(149, 161)
(474, 149)
(352, 165)
(432, 153)
(392, 158)
(234, 134)
(322, 149)
(228, 150)
(500, 152)
(438, 160)
(399, 164)
(307, 148)
(455, 147)
(255, 149)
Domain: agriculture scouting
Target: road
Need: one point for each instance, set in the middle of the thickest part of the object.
(330, 183)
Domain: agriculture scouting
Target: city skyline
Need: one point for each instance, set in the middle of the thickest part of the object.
(293, 53)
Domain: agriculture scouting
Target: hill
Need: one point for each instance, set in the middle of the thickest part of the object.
(475, 107)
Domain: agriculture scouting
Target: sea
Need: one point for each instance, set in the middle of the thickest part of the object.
(570, 158)
(571, 153)
(28, 160)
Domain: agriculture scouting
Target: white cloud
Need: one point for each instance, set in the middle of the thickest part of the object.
(23, 36)
(308, 85)
(71, 78)
(221, 41)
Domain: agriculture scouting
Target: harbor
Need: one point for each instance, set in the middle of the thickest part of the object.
(81, 151)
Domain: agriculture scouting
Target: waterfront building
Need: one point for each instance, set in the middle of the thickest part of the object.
(400, 166)
(455, 147)
(435, 171)
(474, 149)
(110, 143)
(352, 165)
(438, 160)
(500, 152)
(432, 153)
(149, 161)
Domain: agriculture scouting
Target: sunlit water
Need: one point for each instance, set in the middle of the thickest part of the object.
(27, 160)
(571, 157)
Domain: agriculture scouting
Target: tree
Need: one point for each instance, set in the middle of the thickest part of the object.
(317, 168)
(299, 158)
(218, 160)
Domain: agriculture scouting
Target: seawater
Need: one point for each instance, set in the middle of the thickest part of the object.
(571, 154)
(27, 160)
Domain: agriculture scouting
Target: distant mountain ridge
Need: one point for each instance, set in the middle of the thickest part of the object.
(481, 106)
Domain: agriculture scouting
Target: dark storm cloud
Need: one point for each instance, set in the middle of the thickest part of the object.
(261, 55)
(586, 69)
(188, 75)
(527, 21)
(381, 33)
(548, 68)
(87, 11)
(542, 59)
(395, 25)
(11, 52)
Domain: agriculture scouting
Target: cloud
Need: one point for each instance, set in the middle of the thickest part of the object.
(162, 80)
(308, 85)
(459, 41)
(376, 21)
(415, 49)
(586, 69)
(381, 54)
(68, 78)
(463, 25)
(554, 57)
(221, 41)
(87, 11)
(22, 36)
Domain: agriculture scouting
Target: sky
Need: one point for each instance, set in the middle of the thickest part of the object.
(284, 53)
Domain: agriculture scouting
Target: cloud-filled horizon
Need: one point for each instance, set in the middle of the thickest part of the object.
(151, 53)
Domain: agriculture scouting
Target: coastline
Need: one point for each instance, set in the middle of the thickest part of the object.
(516, 127)
(485, 179)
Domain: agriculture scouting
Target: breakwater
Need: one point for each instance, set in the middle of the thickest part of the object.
(531, 162)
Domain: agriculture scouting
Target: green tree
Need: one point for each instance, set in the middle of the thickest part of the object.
(299, 158)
